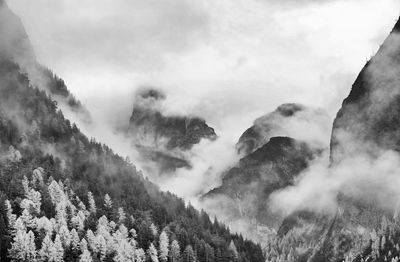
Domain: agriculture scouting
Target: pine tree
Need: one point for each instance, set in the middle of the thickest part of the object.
(175, 253)
(65, 236)
(46, 249)
(23, 247)
(189, 255)
(11, 218)
(140, 255)
(153, 230)
(74, 240)
(101, 247)
(164, 246)
(58, 250)
(92, 204)
(152, 253)
(121, 216)
(91, 240)
(85, 256)
(233, 250)
(107, 202)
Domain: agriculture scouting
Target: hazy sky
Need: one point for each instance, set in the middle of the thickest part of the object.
(227, 61)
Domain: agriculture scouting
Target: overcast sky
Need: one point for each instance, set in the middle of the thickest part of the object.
(227, 61)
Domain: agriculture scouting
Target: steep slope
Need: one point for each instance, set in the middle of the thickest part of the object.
(367, 124)
(368, 120)
(271, 160)
(38, 143)
(16, 46)
(248, 185)
(165, 140)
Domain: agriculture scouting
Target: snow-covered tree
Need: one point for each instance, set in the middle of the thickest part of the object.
(57, 253)
(101, 247)
(164, 246)
(92, 203)
(65, 236)
(121, 216)
(74, 240)
(85, 256)
(140, 255)
(152, 253)
(175, 253)
(153, 230)
(23, 247)
(107, 202)
(91, 240)
(46, 249)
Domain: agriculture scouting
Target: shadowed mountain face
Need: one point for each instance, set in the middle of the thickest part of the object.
(16, 46)
(368, 123)
(286, 120)
(166, 140)
(368, 120)
(273, 166)
(271, 161)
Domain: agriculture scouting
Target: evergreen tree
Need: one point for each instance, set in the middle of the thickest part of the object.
(164, 246)
(92, 203)
(85, 256)
(121, 215)
(74, 240)
(46, 249)
(152, 253)
(175, 253)
(11, 218)
(140, 255)
(188, 254)
(57, 253)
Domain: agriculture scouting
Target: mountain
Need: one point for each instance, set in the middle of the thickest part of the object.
(368, 120)
(271, 161)
(165, 140)
(367, 124)
(272, 167)
(287, 120)
(65, 197)
(16, 46)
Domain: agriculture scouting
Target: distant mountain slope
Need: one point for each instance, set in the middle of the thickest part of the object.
(286, 120)
(270, 162)
(16, 46)
(272, 167)
(165, 140)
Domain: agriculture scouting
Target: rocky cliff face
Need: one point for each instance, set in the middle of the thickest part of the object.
(368, 120)
(166, 140)
(271, 160)
(273, 166)
(367, 124)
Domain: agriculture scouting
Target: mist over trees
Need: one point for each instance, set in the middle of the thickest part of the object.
(65, 197)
